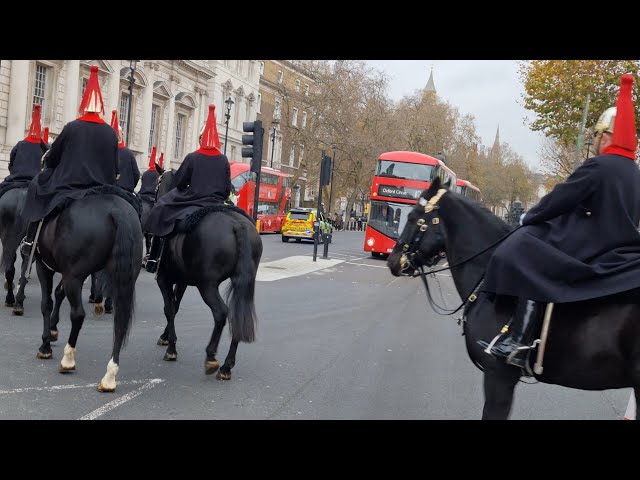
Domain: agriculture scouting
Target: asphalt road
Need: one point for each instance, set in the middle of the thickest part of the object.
(346, 341)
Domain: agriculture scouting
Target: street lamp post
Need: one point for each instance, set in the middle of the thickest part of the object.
(274, 124)
(132, 80)
(229, 101)
(333, 167)
(589, 143)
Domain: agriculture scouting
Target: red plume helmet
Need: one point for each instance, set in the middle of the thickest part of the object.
(209, 140)
(116, 126)
(161, 160)
(35, 130)
(45, 135)
(152, 159)
(625, 140)
(92, 104)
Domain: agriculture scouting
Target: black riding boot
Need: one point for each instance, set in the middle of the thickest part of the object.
(27, 242)
(514, 343)
(151, 265)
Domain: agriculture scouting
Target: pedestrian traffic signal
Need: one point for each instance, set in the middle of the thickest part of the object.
(254, 150)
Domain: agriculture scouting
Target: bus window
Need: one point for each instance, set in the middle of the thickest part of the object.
(409, 171)
(239, 180)
(388, 218)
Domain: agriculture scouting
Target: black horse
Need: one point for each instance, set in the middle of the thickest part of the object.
(96, 232)
(12, 230)
(223, 245)
(592, 345)
(146, 208)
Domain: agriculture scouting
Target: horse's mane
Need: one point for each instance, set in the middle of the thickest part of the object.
(486, 215)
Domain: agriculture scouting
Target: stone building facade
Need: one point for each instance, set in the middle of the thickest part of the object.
(168, 107)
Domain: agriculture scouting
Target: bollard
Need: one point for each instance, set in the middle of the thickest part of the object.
(325, 251)
(258, 225)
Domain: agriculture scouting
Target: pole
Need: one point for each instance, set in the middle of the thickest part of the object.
(226, 132)
(581, 132)
(316, 223)
(273, 145)
(333, 166)
(131, 82)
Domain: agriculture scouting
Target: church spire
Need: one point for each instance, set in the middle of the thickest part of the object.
(431, 87)
(495, 150)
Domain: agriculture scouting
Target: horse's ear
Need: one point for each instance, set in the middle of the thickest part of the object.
(159, 169)
(433, 189)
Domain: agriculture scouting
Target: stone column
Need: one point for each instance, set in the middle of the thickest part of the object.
(71, 90)
(147, 102)
(19, 101)
(171, 132)
(198, 121)
(113, 103)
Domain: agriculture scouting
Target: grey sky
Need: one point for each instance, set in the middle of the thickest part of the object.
(490, 90)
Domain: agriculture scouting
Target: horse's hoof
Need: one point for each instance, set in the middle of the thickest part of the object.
(44, 356)
(162, 341)
(91, 299)
(103, 388)
(9, 304)
(53, 335)
(223, 376)
(18, 310)
(99, 309)
(170, 357)
(108, 310)
(211, 366)
(63, 369)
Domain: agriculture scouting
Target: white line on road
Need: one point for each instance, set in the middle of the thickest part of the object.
(66, 387)
(366, 265)
(120, 400)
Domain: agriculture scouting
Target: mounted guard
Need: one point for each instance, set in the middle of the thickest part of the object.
(129, 173)
(203, 180)
(580, 241)
(25, 157)
(84, 155)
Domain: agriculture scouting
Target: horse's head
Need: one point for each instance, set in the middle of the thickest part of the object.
(164, 183)
(422, 240)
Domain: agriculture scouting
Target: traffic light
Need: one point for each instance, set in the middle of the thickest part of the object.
(325, 171)
(254, 151)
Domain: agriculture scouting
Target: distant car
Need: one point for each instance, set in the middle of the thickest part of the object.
(299, 224)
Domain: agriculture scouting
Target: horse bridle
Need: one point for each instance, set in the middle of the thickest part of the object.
(411, 250)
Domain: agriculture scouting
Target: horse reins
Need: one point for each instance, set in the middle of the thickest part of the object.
(410, 250)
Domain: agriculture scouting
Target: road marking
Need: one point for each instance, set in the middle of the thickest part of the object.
(121, 400)
(293, 267)
(54, 388)
(366, 265)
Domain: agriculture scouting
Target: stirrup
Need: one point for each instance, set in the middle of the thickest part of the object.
(25, 247)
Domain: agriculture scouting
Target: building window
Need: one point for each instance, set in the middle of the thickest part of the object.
(292, 154)
(124, 113)
(261, 68)
(276, 110)
(85, 81)
(301, 154)
(280, 76)
(233, 153)
(180, 123)
(294, 120)
(39, 88)
(306, 89)
(304, 119)
(297, 85)
(259, 103)
(153, 134)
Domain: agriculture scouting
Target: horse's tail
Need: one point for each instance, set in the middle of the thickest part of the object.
(126, 256)
(240, 295)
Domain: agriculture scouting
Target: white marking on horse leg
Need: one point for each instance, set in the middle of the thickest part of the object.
(108, 382)
(120, 400)
(68, 361)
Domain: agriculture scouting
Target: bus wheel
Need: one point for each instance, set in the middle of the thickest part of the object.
(285, 239)
(298, 240)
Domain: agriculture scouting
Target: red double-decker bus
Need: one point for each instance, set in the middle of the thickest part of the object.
(468, 189)
(274, 197)
(399, 179)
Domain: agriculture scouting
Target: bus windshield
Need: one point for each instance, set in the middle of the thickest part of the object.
(389, 218)
(407, 171)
